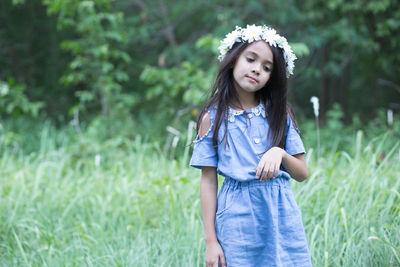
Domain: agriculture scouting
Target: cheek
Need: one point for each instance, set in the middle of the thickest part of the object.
(267, 77)
(234, 74)
(237, 71)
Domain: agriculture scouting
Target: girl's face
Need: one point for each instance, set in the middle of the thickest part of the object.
(253, 68)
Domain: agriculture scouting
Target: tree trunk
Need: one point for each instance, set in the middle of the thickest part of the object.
(345, 92)
(324, 89)
(103, 101)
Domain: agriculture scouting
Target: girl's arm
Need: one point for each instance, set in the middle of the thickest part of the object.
(271, 161)
(296, 165)
(208, 195)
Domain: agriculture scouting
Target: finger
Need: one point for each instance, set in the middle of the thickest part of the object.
(270, 172)
(211, 263)
(265, 171)
(276, 171)
(222, 260)
(273, 171)
(261, 174)
(259, 169)
(274, 174)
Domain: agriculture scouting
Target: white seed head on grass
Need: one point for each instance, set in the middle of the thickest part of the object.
(315, 101)
(390, 117)
(97, 160)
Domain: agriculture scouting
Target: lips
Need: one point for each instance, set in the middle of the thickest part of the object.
(252, 79)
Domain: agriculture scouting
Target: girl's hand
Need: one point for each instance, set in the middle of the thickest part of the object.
(269, 165)
(214, 254)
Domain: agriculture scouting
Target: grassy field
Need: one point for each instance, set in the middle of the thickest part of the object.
(75, 201)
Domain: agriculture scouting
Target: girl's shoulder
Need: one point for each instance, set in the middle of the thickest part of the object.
(206, 121)
(206, 124)
(210, 112)
(291, 123)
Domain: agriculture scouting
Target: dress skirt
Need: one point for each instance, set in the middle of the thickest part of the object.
(260, 224)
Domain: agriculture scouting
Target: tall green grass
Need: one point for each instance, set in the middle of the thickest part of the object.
(138, 207)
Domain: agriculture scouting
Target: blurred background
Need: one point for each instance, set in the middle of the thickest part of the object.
(152, 62)
(97, 107)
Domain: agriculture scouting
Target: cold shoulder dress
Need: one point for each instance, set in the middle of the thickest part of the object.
(257, 223)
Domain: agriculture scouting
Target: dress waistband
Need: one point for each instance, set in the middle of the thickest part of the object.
(281, 180)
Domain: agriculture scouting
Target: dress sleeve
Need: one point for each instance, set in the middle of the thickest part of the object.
(293, 144)
(204, 152)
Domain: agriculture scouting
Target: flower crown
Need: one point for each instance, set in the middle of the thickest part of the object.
(255, 33)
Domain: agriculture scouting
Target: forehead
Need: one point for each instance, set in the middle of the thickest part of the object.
(261, 49)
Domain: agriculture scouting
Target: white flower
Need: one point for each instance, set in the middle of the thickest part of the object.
(252, 33)
(288, 50)
(315, 101)
(228, 42)
(223, 49)
(231, 38)
(270, 36)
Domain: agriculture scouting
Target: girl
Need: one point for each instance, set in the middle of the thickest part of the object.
(247, 134)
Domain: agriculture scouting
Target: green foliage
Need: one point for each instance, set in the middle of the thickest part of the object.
(208, 43)
(347, 53)
(186, 84)
(300, 49)
(335, 135)
(353, 46)
(14, 102)
(335, 119)
(18, 2)
(120, 201)
(99, 64)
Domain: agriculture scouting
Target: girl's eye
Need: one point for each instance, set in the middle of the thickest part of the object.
(249, 59)
(267, 69)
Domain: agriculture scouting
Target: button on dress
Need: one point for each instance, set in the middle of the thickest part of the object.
(257, 223)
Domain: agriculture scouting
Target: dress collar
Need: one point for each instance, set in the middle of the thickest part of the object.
(258, 110)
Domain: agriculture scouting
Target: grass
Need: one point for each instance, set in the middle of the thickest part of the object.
(351, 204)
(140, 208)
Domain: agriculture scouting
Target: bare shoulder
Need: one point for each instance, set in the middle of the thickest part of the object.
(205, 124)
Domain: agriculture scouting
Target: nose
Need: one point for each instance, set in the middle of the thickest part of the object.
(256, 69)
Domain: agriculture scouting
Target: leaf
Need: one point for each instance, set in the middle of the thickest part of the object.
(300, 49)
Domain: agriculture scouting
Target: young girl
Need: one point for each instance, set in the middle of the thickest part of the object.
(247, 134)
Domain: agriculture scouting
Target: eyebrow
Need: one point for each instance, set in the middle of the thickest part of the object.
(255, 54)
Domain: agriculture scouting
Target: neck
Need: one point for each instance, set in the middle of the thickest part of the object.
(246, 100)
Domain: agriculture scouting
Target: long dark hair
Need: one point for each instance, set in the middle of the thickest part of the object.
(273, 95)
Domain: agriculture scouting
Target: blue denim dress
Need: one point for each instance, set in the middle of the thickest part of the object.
(257, 223)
